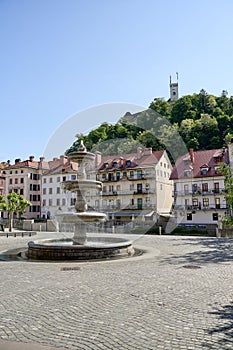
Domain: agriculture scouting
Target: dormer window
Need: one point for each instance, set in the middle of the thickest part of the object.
(204, 169)
(128, 162)
(115, 164)
(105, 165)
(187, 172)
(217, 159)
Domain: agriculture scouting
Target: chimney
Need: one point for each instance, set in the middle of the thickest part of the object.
(191, 154)
(121, 161)
(17, 160)
(139, 153)
(31, 158)
(63, 159)
(147, 151)
(98, 158)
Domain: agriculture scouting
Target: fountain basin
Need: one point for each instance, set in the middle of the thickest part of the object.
(66, 249)
(80, 217)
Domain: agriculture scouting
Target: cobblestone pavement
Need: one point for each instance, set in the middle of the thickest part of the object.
(178, 295)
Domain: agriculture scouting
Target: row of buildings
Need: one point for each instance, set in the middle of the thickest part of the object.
(139, 186)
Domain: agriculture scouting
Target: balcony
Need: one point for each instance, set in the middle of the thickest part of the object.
(199, 207)
(199, 192)
(110, 193)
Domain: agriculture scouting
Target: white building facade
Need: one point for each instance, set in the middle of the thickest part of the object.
(199, 188)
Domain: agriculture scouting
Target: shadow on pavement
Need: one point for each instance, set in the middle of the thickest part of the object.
(202, 251)
(225, 331)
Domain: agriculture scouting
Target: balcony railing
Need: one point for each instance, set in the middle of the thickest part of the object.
(127, 177)
(199, 207)
(132, 192)
(214, 191)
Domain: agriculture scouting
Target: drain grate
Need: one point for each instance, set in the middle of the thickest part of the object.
(191, 267)
(75, 268)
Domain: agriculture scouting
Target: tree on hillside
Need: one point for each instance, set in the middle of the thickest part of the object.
(161, 106)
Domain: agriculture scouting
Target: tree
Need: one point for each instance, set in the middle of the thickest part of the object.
(181, 109)
(228, 182)
(161, 106)
(14, 203)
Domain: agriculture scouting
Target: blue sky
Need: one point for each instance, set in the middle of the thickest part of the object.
(59, 57)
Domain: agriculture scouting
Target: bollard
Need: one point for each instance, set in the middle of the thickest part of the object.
(160, 230)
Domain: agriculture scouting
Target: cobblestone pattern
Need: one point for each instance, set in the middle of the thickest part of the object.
(150, 302)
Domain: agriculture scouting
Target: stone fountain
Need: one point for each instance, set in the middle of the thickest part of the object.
(80, 246)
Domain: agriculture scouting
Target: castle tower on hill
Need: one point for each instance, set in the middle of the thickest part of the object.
(174, 91)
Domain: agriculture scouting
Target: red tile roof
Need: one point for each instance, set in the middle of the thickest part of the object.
(202, 159)
(135, 161)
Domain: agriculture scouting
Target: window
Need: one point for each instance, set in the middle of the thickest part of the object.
(58, 191)
(118, 187)
(50, 190)
(44, 180)
(73, 177)
(205, 187)
(132, 201)
(58, 179)
(189, 217)
(50, 179)
(216, 187)
(63, 201)
(204, 171)
(21, 191)
(16, 181)
(21, 171)
(215, 216)
(131, 187)
(115, 164)
(10, 181)
(58, 201)
(103, 176)
(131, 174)
(205, 202)
(63, 178)
(44, 190)
(165, 174)
(72, 201)
(16, 171)
(128, 162)
(217, 203)
(187, 172)
(186, 189)
(22, 180)
(139, 174)
(195, 202)
(104, 188)
(50, 202)
(44, 203)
